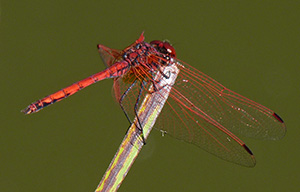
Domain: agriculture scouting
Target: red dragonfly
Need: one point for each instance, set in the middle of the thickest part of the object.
(199, 110)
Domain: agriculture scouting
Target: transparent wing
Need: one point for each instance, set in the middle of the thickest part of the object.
(108, 55)
(201, 111)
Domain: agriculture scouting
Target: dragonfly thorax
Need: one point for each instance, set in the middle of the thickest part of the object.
(136, 54)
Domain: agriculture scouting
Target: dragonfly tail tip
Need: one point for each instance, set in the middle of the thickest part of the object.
(27, 111)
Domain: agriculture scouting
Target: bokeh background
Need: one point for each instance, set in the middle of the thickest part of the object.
(252, 47)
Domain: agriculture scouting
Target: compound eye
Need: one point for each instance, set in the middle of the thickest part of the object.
(164, 47)
(170, 49)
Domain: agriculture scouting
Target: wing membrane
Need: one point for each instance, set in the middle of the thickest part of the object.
(203, 112)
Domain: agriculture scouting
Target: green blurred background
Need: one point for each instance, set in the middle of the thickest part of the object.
(250, 47)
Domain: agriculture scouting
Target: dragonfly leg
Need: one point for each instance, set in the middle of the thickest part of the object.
(123, 97)
(166, 76)
(123, 109)
(140, 127)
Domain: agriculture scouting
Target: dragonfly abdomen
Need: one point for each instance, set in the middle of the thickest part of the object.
(116, 70)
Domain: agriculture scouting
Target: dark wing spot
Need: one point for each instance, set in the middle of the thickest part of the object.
(247, 149)
(277, 117)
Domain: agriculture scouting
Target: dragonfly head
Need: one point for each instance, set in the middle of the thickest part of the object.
(164, 47)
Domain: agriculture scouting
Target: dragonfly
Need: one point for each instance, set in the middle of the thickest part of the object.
(198, 110)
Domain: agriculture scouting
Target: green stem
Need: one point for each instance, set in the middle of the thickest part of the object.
(132, 142)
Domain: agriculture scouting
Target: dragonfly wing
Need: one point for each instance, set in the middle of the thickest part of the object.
(238, 114)
(194, 126)
(201, 111)
(108, 55)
